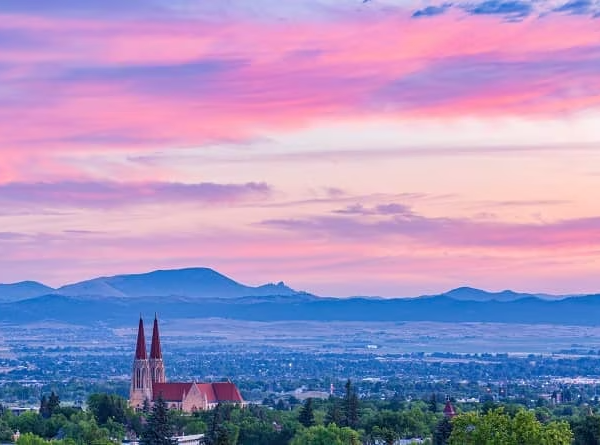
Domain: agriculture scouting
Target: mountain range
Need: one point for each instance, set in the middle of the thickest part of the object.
(203, 293)
(197, 282)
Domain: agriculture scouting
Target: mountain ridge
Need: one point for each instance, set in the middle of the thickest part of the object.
(204, 282)
(22, 290)
(193, 282)
(580, 311)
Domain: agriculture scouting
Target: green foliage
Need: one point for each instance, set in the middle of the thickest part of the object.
(49, 405)
(327, 435)
(442, 432)
(334, 412)
(587, 430)
(31, 439)
(415, 422)
(159, 427)
(498, 428)
(433, 405)
(108, 406)
(351, 406)
(307, 416)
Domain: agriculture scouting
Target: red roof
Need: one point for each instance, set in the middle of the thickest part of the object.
(207, 388)
(227, 392)
(449, 410)
(171, 392)
(155, 350)
(140, 349)
(222, 392)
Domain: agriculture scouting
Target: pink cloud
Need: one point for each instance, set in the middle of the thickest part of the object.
(100, 84)
(358, 223)
(76, 86)
(332, 264)
(106, 194)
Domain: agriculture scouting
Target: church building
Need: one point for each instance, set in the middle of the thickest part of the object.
(148, 382)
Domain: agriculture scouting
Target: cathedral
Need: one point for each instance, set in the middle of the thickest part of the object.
(148, 381)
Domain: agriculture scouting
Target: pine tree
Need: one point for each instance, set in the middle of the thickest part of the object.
(158, 429)
(53, 402)
(350, 406)
(307, 415)
(44, 411)
(214, 426)
(433, 403)
(442, 432)
(334, 413)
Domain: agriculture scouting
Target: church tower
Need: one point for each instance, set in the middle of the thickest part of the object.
(141, 385)
(157, 367)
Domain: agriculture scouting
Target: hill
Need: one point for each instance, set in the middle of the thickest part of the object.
(116, 311)
(472, 294)
(22, 290)
(191, 283)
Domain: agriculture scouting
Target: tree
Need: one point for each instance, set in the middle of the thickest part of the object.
(227, 434)
(31, 439)
(53, 403)
(158, 429)
(350, 406)
(280, 405)
(587, 431)
(433, 406)
(108, 406)
(44, 411)
(442, 432)
(496, 427)
(307, 415)
(329, 435)
(388, 435)
(334, 412)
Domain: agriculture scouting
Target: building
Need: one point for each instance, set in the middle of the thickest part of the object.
(449, 410)
(148, 381)
(195, 439)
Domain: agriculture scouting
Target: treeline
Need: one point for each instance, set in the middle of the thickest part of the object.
(336, 421)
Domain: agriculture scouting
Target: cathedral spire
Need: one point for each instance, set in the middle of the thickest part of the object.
(140, 350)
(141, 385)
(157, 367)
(155, 350)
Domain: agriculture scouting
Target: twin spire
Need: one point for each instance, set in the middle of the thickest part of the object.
(155, 349)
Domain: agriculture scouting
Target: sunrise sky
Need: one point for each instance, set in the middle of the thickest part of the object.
(387, 147)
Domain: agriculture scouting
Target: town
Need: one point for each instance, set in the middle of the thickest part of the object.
(278, 382)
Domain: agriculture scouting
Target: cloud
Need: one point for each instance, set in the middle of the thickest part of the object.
(408, 226)
(512, 10)
(89, 8)
(507, 8)
(11, 236)
(576, 7)
(431, 10)
(106, 194)
(381, 209)
(162, 83)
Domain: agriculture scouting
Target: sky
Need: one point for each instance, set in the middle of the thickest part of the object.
(346, 147)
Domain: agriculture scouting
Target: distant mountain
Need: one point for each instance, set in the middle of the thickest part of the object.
(583, 311)
(204, 293)
(23, 290)
(472, 294)
(190, 283)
